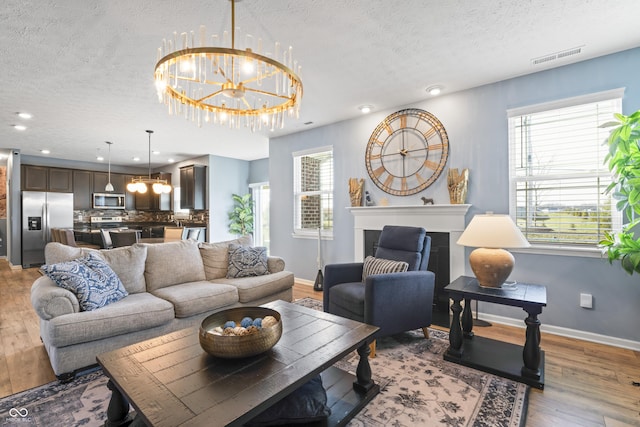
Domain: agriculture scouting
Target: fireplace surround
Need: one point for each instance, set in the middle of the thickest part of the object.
(445, 224)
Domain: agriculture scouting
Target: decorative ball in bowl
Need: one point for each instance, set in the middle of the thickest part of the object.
(240, 332)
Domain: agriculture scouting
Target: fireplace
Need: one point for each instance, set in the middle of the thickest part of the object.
(438, 261)
(444, 223)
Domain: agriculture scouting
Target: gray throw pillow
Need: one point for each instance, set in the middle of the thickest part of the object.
(247, 261)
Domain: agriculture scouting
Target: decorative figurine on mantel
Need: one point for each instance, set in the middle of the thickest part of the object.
(426, 201)
(458, 183)
(367, 199)
(355, 191)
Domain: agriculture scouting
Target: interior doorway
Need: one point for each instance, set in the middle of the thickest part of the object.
(260, 196)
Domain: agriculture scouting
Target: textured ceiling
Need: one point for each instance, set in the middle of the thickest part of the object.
(84, 68)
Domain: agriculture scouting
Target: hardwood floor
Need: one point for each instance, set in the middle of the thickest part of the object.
(586, 384)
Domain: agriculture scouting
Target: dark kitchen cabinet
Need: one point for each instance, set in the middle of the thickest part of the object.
(100, 180)
(129, 197)
(61, 180)
(193, 185)
(82, 190)
(42, 178)
(151, 201)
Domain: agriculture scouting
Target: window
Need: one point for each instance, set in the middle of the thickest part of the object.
(558, 176)
(313, 192)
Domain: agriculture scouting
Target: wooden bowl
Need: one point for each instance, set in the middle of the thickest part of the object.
(235, 347)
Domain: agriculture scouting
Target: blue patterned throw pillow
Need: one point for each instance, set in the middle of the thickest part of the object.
(246, 261)
(90, 278)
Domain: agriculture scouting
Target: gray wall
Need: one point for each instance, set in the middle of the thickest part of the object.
(476, 123)
(229, 176)
(258, 171)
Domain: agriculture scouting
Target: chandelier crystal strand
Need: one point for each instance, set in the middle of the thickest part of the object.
(230, 86)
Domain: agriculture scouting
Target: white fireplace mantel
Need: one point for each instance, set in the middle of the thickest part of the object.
(435, 218)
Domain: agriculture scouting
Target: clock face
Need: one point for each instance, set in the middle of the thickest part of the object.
(407, 152)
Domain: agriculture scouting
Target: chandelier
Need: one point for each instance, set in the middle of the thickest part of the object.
(139, 183)
(246, 86)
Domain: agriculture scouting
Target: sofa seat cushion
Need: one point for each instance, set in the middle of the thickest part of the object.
(193, 298)
(253, 288)
(173, 263)
(130, 314)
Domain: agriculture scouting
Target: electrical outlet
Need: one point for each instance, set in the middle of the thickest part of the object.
(586, 300)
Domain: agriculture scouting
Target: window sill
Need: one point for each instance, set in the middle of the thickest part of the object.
(302, 234)
(561, 250)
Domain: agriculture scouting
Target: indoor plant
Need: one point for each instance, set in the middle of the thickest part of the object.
(241, 217)
(624, 163)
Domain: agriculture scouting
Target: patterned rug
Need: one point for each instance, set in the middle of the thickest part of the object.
(419, 389)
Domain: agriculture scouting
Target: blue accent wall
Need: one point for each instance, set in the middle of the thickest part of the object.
(259, 171)
(476, 122)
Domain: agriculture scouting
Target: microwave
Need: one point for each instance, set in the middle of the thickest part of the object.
(108, 201)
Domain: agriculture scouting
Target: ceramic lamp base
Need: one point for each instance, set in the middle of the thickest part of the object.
(491, 266)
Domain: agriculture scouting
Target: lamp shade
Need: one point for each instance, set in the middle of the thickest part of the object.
(493, 231)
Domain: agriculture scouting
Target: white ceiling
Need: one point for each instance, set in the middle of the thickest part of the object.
(84, 68)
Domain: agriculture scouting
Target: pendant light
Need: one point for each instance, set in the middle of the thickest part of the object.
(139, 184)
(109, 186)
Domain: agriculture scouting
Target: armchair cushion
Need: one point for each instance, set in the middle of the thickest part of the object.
(374, 265)
(409, 244)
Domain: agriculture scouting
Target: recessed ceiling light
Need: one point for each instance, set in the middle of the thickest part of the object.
(434, 90)
(19, 127)
(25, 116)
(155, 152)
(99, 158)
(136, 159)
(364, 109)
(45, 151)
(171, 160)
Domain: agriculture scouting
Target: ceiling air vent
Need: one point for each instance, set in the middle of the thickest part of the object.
(558, 55)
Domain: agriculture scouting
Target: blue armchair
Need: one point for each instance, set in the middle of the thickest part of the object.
(394, 302)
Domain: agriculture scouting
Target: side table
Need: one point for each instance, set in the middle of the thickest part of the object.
(526, 364)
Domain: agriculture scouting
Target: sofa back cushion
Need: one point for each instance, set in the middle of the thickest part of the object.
(55, 253)
(172, 263)
(128, 262)
(215, 256)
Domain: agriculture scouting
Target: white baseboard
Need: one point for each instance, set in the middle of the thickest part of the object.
(549, 329)
(565, 332)
(304, 282)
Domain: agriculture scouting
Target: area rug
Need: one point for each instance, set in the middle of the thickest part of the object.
(419, 389)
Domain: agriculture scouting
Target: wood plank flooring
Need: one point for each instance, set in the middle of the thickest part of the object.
(586, 384)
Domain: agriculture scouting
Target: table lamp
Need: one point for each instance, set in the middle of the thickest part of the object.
(491, 234)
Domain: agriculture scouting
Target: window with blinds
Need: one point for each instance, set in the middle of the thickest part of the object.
(557, 170)
(313, 192)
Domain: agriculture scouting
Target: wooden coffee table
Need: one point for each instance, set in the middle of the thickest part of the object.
(171, 381)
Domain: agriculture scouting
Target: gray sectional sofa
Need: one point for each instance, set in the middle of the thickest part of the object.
(170, 286)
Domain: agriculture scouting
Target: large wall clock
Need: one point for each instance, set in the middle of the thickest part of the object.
(407, 152)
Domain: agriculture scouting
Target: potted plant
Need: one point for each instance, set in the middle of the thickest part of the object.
(624, 163)
(241, 217)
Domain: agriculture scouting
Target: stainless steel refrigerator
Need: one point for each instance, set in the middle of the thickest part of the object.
(40, 212)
